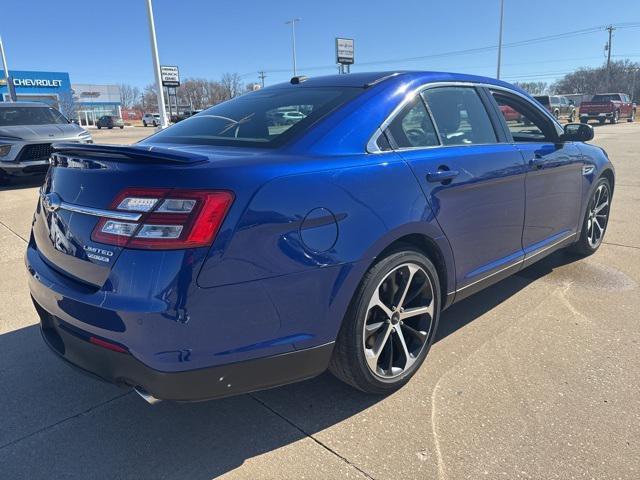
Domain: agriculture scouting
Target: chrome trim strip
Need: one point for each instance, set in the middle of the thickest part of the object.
(410, 96)
(372, 145)
(511, 265)
(544, 249)
(524, 259)
(97, 212)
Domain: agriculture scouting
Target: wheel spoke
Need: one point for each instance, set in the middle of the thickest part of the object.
(377, 302)
(405, 351)
(419, 334)
(413, 312)
(412, 271)
(373, 354)
(372, 328)
(599, 208)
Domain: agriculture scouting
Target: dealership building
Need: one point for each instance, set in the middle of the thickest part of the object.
(86, 102)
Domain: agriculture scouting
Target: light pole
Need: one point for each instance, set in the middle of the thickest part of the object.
(500, 38)
(164, 123)
(292, 22)
(10, 88)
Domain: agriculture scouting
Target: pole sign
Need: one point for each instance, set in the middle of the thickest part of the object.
(170, 76)
(345, 51)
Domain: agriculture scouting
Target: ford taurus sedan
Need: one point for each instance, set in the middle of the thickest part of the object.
(27, 130)
(230, 253)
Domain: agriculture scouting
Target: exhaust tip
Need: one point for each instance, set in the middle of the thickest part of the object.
(150, 399)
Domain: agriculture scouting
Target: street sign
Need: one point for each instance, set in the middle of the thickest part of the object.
(170, 76)
(345, 51)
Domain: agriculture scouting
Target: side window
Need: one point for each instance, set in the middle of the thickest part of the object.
(524, 121)
(460, 116)
(412, 127)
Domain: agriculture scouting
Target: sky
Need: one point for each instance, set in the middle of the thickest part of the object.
(108, 41)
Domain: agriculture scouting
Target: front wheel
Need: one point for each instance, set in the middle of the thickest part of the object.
(571, 117)
(595, 221)
(99, 127)
(632, 118)
(144, 124)
(390, 325)
(616, 116)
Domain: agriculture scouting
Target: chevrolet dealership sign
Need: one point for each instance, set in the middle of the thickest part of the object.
(37, 82)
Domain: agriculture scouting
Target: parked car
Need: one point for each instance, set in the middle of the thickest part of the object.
(292, 116)
(109, 121)
(222, 256)
(559, 106)
(151, 119)
(608, 106)
(26, 132)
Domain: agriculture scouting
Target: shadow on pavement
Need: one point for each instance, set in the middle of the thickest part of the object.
(19, 183)
(57, 423)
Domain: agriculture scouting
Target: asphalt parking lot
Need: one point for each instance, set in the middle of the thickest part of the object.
(536, 377)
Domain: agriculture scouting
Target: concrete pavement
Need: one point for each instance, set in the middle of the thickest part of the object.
(534, 378)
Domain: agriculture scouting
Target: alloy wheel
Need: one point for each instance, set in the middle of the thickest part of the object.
(399, 320)
(598, 215)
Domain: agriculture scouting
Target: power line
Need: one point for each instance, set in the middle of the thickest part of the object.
(521, 43)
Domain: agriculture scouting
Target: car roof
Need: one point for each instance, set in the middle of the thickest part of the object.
(368, 79)
(23, 104)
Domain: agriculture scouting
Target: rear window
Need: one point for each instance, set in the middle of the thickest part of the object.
(263, 118)
(10, 116)
(605, 98)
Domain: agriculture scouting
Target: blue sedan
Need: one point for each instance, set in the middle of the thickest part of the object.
(236, 251)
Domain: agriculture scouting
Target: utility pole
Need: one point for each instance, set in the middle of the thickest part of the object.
(292, 22)
(261, 76)
(500, 38)
(162, 111)
(9, 81)
(610, 29)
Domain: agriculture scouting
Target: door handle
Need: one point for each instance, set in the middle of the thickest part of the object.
(442, 176)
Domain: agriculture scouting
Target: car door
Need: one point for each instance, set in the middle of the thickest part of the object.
(554, 175)
(474, 183)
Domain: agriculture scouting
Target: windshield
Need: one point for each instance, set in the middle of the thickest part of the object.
(605, 98)
(10, 116)
(262, 118)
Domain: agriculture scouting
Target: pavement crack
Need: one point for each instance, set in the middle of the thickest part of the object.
(59, 422)
(305, 433)
(13, 231)
(621, 245)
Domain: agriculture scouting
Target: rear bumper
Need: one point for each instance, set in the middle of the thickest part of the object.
(124, 369)
(596, 116)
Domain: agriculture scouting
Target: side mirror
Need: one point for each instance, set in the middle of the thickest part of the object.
(577, 132)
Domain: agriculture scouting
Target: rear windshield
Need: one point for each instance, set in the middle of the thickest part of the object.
(605, 98)
(543, 99)
(10, 116)
(263, 118)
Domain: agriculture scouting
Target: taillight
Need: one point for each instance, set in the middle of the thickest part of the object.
(169, 219)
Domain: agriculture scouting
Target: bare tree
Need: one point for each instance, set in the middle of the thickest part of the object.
(129, 95)
(534, 88)
(231, 85)
(594, 80)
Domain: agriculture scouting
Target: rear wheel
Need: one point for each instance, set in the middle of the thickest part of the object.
(390, 325)
(595, 221)
(572, 116)
(602, 120)
(632, 118)
(99, 127)
(144, 124)
(616, 116)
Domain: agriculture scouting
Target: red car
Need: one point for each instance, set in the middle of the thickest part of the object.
(608, 106)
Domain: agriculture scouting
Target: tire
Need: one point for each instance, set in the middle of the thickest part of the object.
(602, 120)
(632, 118)
(354, 359)
(584, 120)
(556, 113)
(615, 118)
(110, 128)
(586, 245)
(99, 127)
(572, 116)
(121, 128)
(144, 124)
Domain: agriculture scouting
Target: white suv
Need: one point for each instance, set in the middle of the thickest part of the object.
(151, 119)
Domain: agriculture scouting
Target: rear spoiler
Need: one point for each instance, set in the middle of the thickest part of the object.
(150, 153)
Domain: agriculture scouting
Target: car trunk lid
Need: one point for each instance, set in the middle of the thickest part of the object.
(79, 190)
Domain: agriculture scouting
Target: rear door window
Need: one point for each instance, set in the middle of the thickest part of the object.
(412, 127)
(460, 116)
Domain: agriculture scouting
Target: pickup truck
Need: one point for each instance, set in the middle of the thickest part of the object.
(608, 106)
